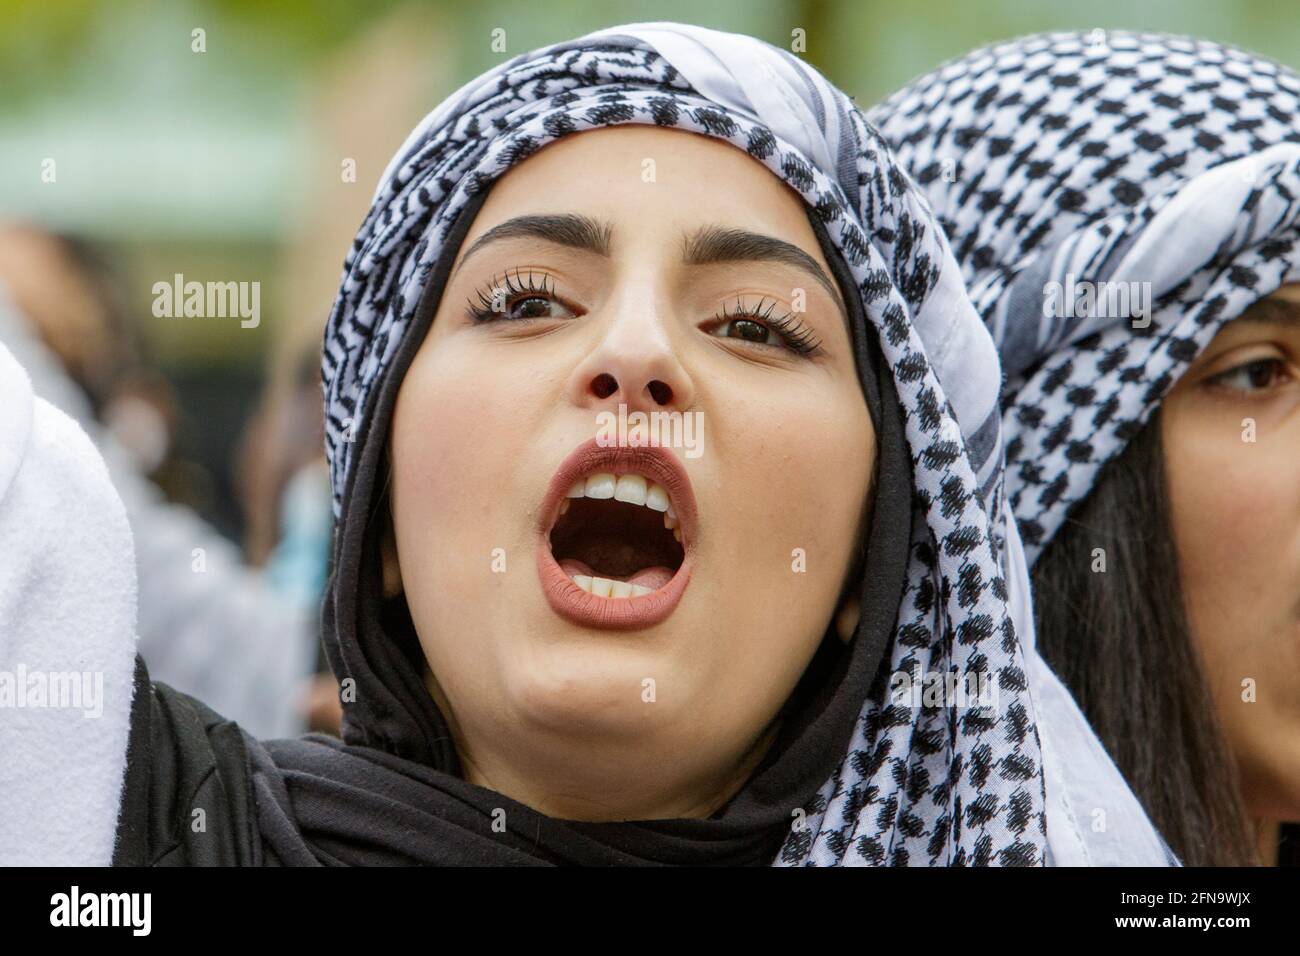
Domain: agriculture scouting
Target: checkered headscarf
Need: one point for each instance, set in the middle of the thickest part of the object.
(1094, 161)
(932, 784)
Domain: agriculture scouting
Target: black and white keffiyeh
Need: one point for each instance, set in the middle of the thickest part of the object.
(919, 785)
(1100, 161)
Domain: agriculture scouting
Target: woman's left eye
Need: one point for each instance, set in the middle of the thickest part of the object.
(761, 326)
(749, 330)
(1252, 376)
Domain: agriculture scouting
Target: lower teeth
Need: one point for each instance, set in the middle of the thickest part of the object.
(604, 587)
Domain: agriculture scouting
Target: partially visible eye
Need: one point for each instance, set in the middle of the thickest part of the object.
(759, 325)
(517, 300)
(1253, 376)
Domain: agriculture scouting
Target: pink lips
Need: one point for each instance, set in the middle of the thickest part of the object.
(589, 610)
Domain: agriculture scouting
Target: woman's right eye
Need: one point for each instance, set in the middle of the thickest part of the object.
(522, 309)
(517, 299)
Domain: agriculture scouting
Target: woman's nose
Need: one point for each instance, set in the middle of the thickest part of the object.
(635, 365)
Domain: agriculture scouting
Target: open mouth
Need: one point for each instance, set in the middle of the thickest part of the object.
(617, 535)
(619, 523)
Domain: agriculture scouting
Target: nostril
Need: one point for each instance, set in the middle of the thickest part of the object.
(661, 392)
(604, 385)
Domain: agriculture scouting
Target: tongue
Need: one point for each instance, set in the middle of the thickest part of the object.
(652, 578)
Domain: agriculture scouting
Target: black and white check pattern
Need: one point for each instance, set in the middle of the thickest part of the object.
(1107, 158)
(931, 785)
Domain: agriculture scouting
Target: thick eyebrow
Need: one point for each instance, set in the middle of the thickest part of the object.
(707, 245)
(710, 244)
(564, 229)
(1272, 309)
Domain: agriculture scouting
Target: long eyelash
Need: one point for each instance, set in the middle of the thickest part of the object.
(798, 336)
(1221, 376)
(512, 287)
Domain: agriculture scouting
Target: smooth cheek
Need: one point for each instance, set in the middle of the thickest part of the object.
(1236, 511)
(795, 469)
(449, 486)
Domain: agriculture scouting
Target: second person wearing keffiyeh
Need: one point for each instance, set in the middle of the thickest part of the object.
(1153, 453)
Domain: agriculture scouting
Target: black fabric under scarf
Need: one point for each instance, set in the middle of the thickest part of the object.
(391, 791)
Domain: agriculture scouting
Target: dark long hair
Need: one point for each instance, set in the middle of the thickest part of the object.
(1120, 641)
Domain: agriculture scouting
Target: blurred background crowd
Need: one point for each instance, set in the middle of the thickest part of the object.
(240, 141)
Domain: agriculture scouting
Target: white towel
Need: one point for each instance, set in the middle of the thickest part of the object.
(67, 636)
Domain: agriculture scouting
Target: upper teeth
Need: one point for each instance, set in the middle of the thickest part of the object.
(604, 587)
(634, 489)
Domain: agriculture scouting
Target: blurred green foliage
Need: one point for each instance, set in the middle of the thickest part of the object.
(183, 159)
(867, 46)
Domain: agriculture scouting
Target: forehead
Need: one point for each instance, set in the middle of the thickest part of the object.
(651, 183)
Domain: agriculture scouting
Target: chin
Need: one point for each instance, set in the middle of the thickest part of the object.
(595, 685)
